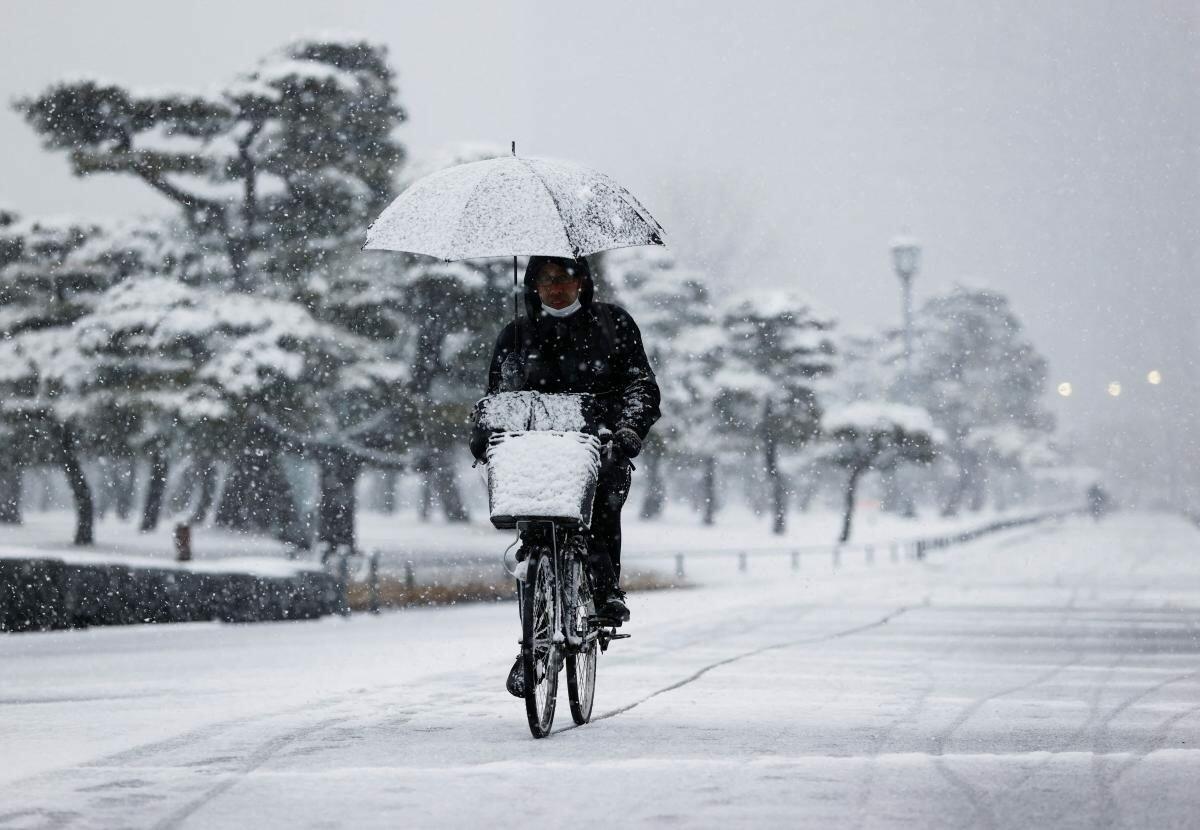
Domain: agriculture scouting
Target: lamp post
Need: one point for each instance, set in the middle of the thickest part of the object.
(906, 257)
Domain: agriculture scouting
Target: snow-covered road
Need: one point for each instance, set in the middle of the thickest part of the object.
(1043, 677)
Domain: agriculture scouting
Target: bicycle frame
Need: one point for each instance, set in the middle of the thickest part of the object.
(562, 559)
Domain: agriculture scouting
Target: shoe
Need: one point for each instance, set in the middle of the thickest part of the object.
(516, 679)
(614, 607)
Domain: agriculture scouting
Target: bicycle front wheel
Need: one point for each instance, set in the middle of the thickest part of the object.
(581, 663)
(581, 683)
(540, 653)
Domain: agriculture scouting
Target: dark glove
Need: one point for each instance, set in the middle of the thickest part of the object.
(479, 442)
(627, 442)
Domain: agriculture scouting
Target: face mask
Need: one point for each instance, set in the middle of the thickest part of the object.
(563, 312)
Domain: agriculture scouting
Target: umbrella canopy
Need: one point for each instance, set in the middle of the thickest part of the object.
(513, 206)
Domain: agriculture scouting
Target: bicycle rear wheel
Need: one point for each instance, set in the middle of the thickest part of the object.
(540, 654)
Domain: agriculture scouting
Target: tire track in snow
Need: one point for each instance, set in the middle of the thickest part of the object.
(265, 752)
(811, 640)
(983, 803)
(920, 701)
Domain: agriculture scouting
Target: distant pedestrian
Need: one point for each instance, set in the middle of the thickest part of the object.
(1098, 501)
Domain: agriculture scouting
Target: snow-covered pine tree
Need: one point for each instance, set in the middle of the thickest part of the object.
(779, 345)
(976, 372)
(873, 435)
(277, 174)
(673, 309)
(437, 321)
(275, 170)
(52, 272)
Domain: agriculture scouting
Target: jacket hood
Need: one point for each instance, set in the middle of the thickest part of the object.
(533, 303)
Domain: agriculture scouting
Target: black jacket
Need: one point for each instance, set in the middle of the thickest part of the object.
(598, 349)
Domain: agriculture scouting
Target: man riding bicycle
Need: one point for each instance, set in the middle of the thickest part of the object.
(569, 343)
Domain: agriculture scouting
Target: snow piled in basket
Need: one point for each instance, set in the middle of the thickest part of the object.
(543, 474)
(518, 411)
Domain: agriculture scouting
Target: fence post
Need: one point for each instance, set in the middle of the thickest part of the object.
(410, 577)
(679, 565)
(742, 565)
(373, 580)
(343, 579)
(183, 543)
(920, 551)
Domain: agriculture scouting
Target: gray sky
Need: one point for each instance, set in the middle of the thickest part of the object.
(1047, 148)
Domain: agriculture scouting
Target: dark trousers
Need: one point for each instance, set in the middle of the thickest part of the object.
(604, 540)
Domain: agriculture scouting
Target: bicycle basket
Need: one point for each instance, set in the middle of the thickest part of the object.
(542, 475)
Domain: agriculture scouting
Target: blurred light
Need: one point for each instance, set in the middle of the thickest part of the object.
(1114, 389)
(1155, 377)
(1064, 389)
(906, 256)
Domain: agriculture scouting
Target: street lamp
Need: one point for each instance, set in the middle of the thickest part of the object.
(906, 257)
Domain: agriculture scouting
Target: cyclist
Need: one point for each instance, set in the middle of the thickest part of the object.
(570, 343)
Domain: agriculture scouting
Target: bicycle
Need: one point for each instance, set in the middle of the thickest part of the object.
(559, 625)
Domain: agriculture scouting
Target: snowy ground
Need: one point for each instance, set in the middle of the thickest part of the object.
(1041, 677)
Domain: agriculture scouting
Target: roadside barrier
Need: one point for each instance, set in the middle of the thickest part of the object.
(470, 572)
(839, 553)
(38, 594)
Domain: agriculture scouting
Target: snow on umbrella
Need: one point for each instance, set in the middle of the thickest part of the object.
(513, 206)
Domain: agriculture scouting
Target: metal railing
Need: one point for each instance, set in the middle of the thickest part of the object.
(448, 570)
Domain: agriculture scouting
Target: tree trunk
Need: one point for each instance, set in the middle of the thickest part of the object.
(80, 492)
(425, 501)
(979, 487)
(710, 490)
(447, 489)
(155, 489)
(338, 505)
(962, 483)
(439, 485)
(656, 494)
(806, 491)
(848, 508)
(182, 491)
(771, 464)
(257, 496)
(10, 493)
(892, 492)
(387, 491)
(207, 471)
(104, 492)
(124, 481)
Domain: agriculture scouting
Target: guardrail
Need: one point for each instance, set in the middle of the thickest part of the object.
(473, 568)
(838, 553)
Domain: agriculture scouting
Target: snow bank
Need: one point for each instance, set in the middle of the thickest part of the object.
(42, 592)
(542, 475)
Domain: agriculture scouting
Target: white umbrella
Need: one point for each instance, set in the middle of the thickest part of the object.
(513, 206)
